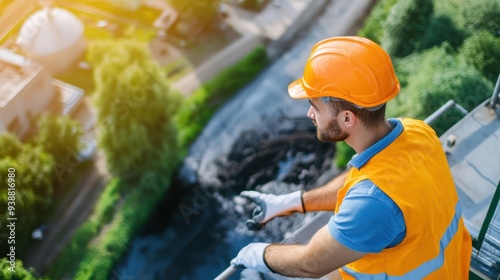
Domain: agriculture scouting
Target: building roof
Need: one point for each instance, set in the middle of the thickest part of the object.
(473, 155)
(50, 31)
(15, 73)
(473, 151)
(70, 96)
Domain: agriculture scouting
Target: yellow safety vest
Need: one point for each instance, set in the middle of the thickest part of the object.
(414, 173)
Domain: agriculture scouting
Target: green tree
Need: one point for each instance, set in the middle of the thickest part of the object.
(442, 29)
(135, 109)
(433, 77)
(20, 272)
(482, 50)
(373, 29)
(59, 136)
(405, 26)
(10, 146)
(480, 15)
(33, 179)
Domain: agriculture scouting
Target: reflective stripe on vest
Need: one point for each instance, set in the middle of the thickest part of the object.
(427, 267)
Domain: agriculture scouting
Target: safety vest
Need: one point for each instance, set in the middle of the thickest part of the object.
(414, 173)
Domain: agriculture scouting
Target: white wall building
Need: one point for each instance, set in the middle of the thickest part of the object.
(25, 92)
(28, 90)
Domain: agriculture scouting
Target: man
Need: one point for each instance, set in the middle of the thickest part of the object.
(397, 213)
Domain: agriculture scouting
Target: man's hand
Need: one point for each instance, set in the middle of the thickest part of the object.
(252, 256)
(270, 206)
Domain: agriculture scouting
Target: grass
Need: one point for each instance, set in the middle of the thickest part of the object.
(103, 256)
(68, 262)
(78, 77)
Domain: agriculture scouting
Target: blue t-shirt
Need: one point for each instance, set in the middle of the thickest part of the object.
(368, 220)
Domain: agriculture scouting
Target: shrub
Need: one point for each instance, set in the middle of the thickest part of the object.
(20, 272)
(463, 84)
(10, 146)
(372, 28)
(480, 15)
(432, 78)
(102, 256)
(34, 180)
(442, 29)
(482, 50)
(59, 136)
(406, 24)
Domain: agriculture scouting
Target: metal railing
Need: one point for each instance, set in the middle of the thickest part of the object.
(478, 242)
(448, 105)
(300, 236)
(496, 94)
(226, 273)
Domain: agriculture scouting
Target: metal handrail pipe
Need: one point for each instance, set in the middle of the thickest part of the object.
(448, 105)
(496, 93)
(227, 273)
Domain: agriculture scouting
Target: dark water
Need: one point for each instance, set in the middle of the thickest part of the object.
(199, 227)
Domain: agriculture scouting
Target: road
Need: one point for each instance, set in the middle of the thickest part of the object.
(15, 11)
(71, 212)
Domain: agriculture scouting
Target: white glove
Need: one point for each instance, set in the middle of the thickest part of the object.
(252, 256)
(270, 206)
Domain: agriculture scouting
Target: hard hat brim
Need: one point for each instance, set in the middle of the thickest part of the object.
(296, 90)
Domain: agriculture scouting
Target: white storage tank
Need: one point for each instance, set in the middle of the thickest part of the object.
(54, 38)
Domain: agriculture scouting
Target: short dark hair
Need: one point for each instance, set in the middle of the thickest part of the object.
(368, 118)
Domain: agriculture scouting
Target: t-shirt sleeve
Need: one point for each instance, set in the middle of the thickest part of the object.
(368, 220)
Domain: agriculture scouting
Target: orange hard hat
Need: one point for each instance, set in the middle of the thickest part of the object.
(350, 68)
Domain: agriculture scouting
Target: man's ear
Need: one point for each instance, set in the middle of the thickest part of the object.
(348, 118)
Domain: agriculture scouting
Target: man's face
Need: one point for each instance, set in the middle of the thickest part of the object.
(325, 120)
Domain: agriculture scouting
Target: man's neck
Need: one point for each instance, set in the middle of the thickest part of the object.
(362, 137)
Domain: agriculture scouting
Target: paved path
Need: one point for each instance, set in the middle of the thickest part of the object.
(218, 62)
(268, 26)
(15, 11)
(72, 212)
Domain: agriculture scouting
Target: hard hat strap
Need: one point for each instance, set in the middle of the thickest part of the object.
(328, 99)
